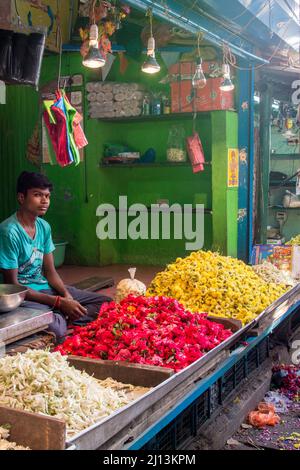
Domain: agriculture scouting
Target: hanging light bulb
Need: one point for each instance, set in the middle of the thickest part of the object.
(94, 59)
(227, 84)
(199, 80)
(151, 65)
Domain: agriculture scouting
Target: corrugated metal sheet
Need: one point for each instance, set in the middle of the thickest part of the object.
(17, 120)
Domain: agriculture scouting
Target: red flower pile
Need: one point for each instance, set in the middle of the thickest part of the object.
(290, 380)
(146, 330)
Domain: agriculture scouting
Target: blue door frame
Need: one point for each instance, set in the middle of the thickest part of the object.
(246, 77)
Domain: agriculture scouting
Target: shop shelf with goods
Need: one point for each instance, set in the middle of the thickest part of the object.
(150, 183)
(78, 191)
(285, 163)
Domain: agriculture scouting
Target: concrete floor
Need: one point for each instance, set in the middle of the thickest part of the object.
(74, 274)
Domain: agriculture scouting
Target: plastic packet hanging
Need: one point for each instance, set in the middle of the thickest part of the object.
(196, 152)
(19, 56)
(34, 57)
(5, 54)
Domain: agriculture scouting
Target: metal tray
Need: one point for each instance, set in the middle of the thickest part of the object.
(23, 322)
(97, 435)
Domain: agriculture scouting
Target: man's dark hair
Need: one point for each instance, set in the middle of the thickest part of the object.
(29, 180)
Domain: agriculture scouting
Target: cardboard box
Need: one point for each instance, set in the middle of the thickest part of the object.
(186, 70)
(209, 98)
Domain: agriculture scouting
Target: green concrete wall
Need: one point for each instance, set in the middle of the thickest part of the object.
(17, 120)
(79, 191)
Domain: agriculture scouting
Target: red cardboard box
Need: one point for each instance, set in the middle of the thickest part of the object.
(209, 98)
(186, 70)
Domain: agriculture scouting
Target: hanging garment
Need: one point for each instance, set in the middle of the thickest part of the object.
(49, 153)
(70, 114)
(79, 136)
(59, 110)
(56, 124)
(64, 130)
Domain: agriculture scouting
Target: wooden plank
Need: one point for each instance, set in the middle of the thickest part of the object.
(124, 372)
(94, 284)
(23, 335)
(228, 323)
(38, 432)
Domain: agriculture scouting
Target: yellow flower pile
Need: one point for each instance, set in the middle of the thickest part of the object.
(222, 286)
(294, 241)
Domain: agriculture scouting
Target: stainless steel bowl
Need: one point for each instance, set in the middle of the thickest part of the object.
(11, 297)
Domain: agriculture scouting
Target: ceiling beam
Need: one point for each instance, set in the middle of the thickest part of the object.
(197, 23)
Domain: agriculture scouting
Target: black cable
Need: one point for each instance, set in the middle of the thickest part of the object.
(16, 8)
(288, 179)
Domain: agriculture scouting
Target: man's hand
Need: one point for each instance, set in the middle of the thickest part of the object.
(67, 296)
(72, 309)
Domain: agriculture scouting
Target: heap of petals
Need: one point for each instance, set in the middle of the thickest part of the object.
(155, 331)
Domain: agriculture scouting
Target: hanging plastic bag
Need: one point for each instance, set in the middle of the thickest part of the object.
(34, 57)
(130, 286)
(176, 151)
(5, 54)
(196, 152)
(19, 56)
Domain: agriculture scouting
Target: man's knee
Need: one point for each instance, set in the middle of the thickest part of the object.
(58, 326)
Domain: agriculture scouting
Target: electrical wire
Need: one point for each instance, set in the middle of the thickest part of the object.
(230, 58)
(149, 14)
(92, 12)
(60, 50)
(267, 3)
(229, 55)
(236, 35)
(17, 12)
(200, 38)
(291, 9)
(241, 14)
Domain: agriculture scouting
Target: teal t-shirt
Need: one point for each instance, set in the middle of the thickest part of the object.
(19, 251)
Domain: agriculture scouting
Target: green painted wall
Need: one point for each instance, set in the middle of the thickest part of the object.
(79, 191)
(225, 200)
(17, 120)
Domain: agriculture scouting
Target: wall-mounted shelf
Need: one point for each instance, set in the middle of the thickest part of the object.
(194, 210)
(281, 208)
(292, 156)
(149, 165)
(276, 184)
(161, 117)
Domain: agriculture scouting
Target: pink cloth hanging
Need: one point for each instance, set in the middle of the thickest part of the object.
(196, 153)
